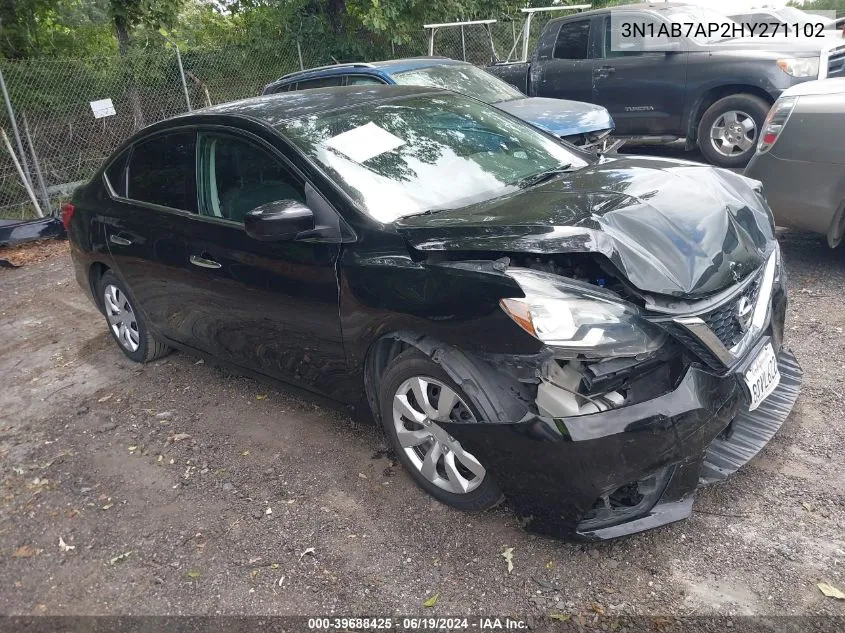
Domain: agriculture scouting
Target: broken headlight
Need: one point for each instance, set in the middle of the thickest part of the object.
(579, 318)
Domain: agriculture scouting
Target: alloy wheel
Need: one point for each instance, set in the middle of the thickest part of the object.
(121, 317)
(733, 133)
(418, 405)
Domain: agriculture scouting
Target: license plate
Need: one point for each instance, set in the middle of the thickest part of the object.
(762, 376)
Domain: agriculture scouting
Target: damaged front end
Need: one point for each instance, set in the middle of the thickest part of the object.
(633, 401)
(648, 355)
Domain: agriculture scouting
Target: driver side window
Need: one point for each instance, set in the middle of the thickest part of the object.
(236, 176)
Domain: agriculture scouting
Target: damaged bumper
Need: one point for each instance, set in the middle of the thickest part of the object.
(622, 471)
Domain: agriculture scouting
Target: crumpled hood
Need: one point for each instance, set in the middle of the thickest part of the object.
(559, 116)
(670, 227)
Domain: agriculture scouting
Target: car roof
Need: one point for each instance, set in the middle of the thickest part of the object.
(413, 63)
(277, 108)
(659, 7)
(368, 68)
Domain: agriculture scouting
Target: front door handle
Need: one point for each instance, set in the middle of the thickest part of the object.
(604, 71)
(120, 241)
(202, 262)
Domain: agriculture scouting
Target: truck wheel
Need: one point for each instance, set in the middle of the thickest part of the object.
(730, 128)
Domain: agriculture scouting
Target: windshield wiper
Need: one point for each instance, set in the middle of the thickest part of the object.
(543, 176)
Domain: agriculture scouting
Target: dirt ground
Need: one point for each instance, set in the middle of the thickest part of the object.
(180, 488)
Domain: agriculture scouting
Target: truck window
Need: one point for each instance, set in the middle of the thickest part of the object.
(615, 45)
(573, 40)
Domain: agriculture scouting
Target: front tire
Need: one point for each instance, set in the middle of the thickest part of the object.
(414, 395)
(730, 129)
(126, 323)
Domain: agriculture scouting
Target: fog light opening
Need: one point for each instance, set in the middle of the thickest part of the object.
(627, 502)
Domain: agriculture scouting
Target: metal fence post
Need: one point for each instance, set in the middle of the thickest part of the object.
(36, 166)
(299, 52)
(15, 131)
(182, 75)
(181, 71)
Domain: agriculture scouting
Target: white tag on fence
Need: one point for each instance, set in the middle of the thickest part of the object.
(102, 108)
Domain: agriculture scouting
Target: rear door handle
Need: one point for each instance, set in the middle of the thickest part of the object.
(604, 71)
(202, 262)
(120, 241)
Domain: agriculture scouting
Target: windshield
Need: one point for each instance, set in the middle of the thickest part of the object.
(463, 78)
(424, 153)
(697, 22)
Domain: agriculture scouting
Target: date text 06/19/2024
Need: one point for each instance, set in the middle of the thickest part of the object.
(482, 624)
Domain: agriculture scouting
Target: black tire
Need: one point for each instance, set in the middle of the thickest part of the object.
(836, 232)
(407, 365)
(149, 348)
(753, 106)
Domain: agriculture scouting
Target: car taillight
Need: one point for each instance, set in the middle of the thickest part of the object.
(67, 214)
(775, 122)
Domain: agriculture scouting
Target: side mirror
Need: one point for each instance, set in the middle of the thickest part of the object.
(279, 221)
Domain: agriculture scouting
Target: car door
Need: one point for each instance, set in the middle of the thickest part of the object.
(268, 306)
(644, 91)
(202, 282)
(152, 197)
(568, 72)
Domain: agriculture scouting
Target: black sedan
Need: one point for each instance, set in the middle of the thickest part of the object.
(589, 338)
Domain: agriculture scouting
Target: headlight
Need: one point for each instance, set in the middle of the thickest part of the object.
(579, 318)
(800, 66)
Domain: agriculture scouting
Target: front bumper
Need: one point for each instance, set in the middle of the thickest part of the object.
(555, 470)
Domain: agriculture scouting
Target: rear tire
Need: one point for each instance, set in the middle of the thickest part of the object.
(439, 464)
(126, 323)
(836, 232)
(730, 129)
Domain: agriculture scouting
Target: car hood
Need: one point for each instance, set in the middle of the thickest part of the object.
(670, 227)
(559, 116)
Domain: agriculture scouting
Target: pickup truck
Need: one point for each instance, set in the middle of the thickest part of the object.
(714, 92)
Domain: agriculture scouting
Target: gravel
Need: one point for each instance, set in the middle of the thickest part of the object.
(89, 454)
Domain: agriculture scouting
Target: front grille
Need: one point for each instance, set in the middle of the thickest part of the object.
(696, 347)
(836, 63)
(723, 320)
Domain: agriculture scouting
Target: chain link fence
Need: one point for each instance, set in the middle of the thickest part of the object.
(60, 143)
(63, 143)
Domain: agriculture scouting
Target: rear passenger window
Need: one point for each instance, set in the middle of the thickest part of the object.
(573, 40)
(363, 80)
(163, 171)
(321, 82)
(116, 174)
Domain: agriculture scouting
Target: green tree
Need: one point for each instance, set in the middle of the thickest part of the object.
(128, 15)
(822, 5)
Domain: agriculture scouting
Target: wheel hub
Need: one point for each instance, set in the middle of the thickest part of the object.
(733, 133)
(418, 405)
(121, 318)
